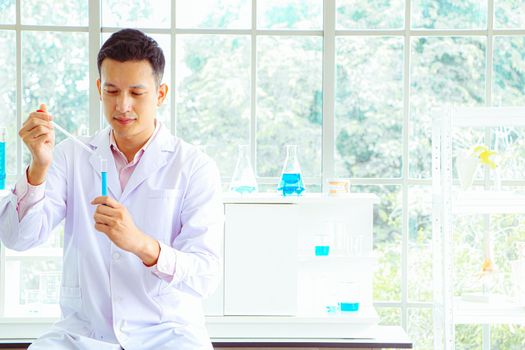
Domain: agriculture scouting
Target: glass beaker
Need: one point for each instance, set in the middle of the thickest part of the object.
(243, 180)
(3, 137)
(349, 296)
(291, 178)
(322, 244)
(355, 244)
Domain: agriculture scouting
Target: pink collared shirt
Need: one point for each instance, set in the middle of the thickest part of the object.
(29, 195)
(124, 168)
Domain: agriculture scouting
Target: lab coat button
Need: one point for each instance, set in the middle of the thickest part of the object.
(116, 256)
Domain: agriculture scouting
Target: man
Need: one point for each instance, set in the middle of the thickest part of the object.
(136, 262)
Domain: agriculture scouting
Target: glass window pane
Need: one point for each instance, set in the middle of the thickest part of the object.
(468, 253)
(8, 97)
(289, 103)
(420, 328)
(55, 72)
(290, 14)
(509, 71)
(34, 278)
(7, 12)
(34, 286)
(468, 337)
(136, 14)
(387, 241)
(509, 14)
(164, 41)
(476, 239)
(444, 71)
(369, 107)
(508, 337)
(58, 12)
(213, 14)
(372, 14)
(449, 14)
(389, 316)
(419, 243)
(213, 94)
(509, 144)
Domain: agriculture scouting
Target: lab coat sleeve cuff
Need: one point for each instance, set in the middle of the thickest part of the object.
(166, 264)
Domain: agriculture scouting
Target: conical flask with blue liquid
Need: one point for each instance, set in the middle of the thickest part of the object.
(243, 180)
(291, 183)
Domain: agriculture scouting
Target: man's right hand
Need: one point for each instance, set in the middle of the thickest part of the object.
(38, 135)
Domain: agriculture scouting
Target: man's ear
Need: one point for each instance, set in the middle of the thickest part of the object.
(162, 93)
(99, 91)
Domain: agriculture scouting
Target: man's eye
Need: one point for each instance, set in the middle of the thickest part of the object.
(111, 91)
(138, 93)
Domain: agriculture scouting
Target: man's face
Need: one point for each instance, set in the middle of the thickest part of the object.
(130, 98)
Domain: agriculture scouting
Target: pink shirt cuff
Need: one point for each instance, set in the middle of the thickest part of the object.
(27, 195)
(166, 264)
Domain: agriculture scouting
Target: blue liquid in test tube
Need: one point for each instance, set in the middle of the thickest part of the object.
(104, 174)
(2, 158)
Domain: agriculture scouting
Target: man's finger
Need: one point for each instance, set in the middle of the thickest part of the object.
(105, 210)
(33, 122)
(105, 200)
(42, 108)
(102, 228)
(103, 219)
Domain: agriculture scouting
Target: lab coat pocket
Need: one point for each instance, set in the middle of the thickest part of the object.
(165, 193)
(179, 308)
(161, 212)
(70, 300)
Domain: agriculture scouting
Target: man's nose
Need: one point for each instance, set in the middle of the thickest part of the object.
(123, 103)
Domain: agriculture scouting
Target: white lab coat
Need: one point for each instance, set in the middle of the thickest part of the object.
(108, 296)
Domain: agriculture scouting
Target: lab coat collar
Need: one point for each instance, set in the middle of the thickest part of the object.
(155, 156)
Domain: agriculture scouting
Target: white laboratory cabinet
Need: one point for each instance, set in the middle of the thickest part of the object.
(274, 283)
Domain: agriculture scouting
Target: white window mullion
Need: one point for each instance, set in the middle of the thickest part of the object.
(94, 45)
(253, 87)
(19, 168)
(328, 132)
(19, 88)
(485, 329)
(405, 168)
(490, 53)
(173, 63)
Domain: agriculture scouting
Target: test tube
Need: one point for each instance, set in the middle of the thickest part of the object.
(3, 137)
(104, 174)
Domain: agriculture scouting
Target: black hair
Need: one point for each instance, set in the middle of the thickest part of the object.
(133, 45)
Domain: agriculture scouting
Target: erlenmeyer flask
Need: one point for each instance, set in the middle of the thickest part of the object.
(291, 177)
(243, 180)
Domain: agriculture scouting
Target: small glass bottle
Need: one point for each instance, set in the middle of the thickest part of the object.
(243, 180)
(3, 137)
(291, 177)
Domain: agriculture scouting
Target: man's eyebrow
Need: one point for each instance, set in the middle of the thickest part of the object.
(138, 86)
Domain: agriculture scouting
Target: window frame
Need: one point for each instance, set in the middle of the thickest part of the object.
(34, 326)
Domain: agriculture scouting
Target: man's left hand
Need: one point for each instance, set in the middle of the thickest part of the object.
(113, 219)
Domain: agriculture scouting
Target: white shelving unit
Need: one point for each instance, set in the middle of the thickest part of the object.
(447, 203)
(274, 285)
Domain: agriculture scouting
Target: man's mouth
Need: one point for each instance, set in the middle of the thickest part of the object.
(124, 120)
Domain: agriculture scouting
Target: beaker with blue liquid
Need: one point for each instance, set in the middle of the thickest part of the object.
(243, 180)
(291, 183)
(3, 173)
